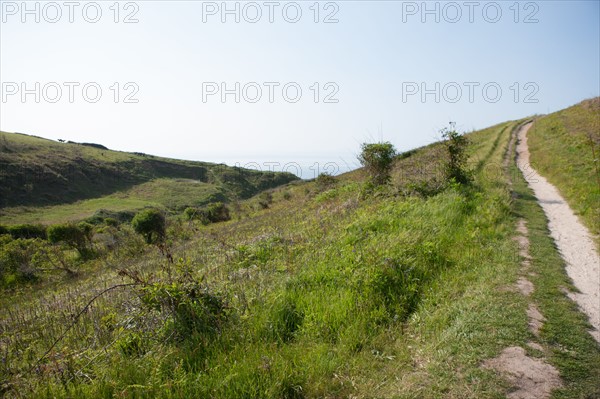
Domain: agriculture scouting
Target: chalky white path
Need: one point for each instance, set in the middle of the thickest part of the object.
(571, 237)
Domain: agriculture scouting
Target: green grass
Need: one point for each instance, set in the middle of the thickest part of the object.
(329, 293)
(561, 150)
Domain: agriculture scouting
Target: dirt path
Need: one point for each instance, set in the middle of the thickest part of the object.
(571, 237)
(530, 377)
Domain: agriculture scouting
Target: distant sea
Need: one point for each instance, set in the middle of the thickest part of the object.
(304, 168)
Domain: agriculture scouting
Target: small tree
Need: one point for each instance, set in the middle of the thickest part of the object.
(217, 212)
(378, 159)
(77, 237)
(151, 224)
(456, 146)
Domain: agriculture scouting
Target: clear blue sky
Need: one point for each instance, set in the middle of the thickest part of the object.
(377, 58)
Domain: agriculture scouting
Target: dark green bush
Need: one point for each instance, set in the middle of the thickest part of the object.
(100, 216)
(456, 147)
(325, 181)
(151, 224)
(3, 230)
(212, 213)
(217, 212)
(27, 231)
(378, 159)
(95, 219)
(77, 237)
(406, 154)
(87, 229)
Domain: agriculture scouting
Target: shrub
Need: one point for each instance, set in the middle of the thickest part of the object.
(212, 213)
(111, 222)
(77, 237)
(407, 154)
(95, 219)
(202, 216)
(179, 231)
(378, 159)
(151, 224)
(27, 231)
(126, 243)
(325, 181)
(193, 308)
(87, 229)
(217, 212)
(456, 146)
(3, 230)
(189, 306)
(190, 213)
(20, 259)
(101, 215)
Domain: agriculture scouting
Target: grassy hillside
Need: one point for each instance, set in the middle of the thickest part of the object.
(164, 193)
(37, 172)
(565, 148)
(323, 291)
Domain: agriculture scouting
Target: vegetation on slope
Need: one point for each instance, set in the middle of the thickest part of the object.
(40, 172)
(565, 148)
(168, 194)
(319, 289)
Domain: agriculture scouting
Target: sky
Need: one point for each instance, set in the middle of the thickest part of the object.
(287, 86)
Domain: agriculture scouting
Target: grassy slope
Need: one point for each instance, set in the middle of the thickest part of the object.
(162, 193)
(317, 307)
(561, 151)
(36, 172)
